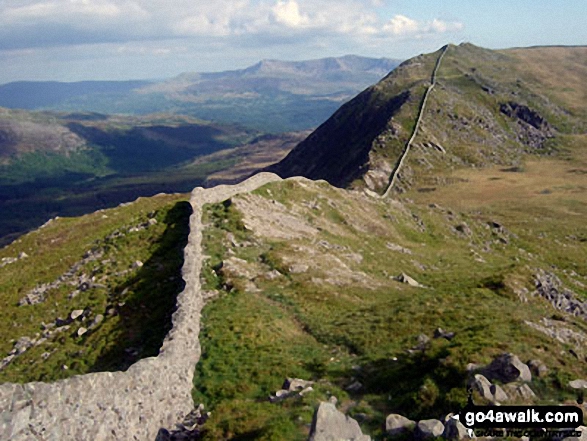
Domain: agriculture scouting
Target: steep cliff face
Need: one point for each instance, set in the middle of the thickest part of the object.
(485, 109)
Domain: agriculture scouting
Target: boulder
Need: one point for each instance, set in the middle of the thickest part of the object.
(98, 319)
(396, 424)
(354, 387)
(455, 430)
(76, 313)
(295, 384)
(488, 391)
(522, 392)
(525, 392)
(428, 429)
(582, 437)
(331, 425)
(578, 384)
(508, 368)
(404, 278)
(463, 229)
(537, 368)
(298, 268)
(441, 333)
(280, 395)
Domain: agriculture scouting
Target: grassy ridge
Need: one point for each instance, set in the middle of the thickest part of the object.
(343, 318)
(134, 299)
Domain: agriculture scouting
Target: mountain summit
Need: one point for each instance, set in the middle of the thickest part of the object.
(487, 107)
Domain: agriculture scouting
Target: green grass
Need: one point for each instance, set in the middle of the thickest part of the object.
(135, 301)
(336, 332)
(38, 166)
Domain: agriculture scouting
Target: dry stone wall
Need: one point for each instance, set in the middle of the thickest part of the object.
(132, 405)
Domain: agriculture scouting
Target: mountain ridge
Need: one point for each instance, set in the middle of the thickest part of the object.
(387, 306)
(271, 95)
(481, 95)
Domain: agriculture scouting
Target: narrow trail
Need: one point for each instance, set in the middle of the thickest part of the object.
(400, 163)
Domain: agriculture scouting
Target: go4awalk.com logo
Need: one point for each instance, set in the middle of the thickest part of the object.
(521, 420)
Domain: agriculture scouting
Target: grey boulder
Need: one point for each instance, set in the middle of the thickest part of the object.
(491, 392)
(455, 430)
(331, 425)
(508, 368)
(396, 424)
(427, 429)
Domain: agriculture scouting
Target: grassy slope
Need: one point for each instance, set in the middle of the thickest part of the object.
(361, 143)
(136, 301)
(463, 113)
(557, 72)
(337, 331)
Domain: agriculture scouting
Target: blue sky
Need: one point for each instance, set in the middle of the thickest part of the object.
(70, 40)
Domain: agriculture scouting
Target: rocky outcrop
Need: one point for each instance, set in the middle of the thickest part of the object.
(534, 129)
(153, 393)
(549, 286)
(396, 424)
(329, 424)
(488, 391)
(508, 368)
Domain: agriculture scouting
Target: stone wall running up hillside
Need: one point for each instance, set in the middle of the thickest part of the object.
(153, 393)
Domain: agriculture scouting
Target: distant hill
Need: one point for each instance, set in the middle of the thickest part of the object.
(271, 95)
(69, 164)
(53, 94)
(488, 107)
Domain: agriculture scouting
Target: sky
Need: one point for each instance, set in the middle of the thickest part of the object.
(73, 40)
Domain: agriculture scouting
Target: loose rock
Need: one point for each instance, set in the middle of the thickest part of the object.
(76, 313)
(329, 424)
(508, 368)
(455, 430)
(537, 368)
(427, 429)
(578, 384)
(396, 424)
(404, 278)
(491, 392)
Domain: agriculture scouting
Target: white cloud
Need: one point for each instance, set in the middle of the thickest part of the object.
(71, 10)
(400, 25)
(288, 13)
(30, 23)
(219, 29)
(443, 26)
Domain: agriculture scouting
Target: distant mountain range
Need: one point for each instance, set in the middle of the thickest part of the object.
(271, 95)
